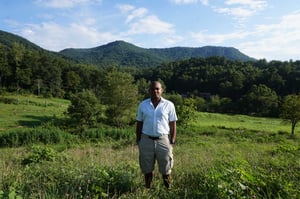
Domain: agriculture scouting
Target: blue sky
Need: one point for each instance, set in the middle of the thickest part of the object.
(267, 29)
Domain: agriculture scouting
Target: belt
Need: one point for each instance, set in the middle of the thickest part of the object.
(153, 138)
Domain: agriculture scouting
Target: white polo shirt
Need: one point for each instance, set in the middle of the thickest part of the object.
(156, 120)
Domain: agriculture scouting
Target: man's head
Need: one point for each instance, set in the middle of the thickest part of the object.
(155, 90)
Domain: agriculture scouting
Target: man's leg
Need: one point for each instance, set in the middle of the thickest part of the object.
(148, 179)
(147, 159)
(167, 180)
(164, 154)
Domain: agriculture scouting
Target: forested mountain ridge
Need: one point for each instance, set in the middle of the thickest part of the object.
(121, 53)
(7, 39)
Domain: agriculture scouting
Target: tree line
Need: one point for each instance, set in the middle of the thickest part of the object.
(212, 84)
(255, 88)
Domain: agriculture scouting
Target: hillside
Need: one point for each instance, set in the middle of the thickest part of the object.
(121, 53)
(117, 53)
(8, 39)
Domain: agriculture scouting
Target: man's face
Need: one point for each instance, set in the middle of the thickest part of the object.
(155, 91)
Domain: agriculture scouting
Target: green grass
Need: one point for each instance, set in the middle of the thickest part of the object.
(274, 125)
(28, 111)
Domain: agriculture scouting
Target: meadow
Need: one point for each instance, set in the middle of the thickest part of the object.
(216, 156)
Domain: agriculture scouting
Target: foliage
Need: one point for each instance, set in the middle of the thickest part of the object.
(61, 179)
(236, 82)
(85, 109)
(229, 181)
(120, 96)
(291, 111)
(38, 154)
(260, 101)
(107, 133)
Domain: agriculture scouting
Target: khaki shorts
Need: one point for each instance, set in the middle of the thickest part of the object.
(151, 150)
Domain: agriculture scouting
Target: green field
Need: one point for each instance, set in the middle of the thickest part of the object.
(216, 156)
(242, 122)
(28, 111)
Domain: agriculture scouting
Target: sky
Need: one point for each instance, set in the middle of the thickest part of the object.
(262, 29)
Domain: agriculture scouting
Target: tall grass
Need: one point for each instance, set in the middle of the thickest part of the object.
(207, 165)
(39, 135)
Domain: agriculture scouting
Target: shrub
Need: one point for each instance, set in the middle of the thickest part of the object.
(40, 153)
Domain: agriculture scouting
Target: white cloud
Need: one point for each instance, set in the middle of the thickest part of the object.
(125, 8)
(65, 3)
(204, 2)
(216, 39)
(136, 13)
(150, 25)
(276, 41)
(170, 40)
(139, 21)
(253, 4)
(236, 12)
(241, 9)
(53, 36)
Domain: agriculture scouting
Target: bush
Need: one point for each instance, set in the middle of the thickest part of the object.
(39, 154)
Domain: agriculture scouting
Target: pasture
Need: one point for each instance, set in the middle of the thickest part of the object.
(216, 156)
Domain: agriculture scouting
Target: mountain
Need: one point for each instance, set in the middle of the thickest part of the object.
(121, 53)
(117, 53)
(8, 39)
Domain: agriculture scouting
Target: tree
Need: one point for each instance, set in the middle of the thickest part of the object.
(143, 86)
(185, 108)
(260, 101)
(85, 109)
(120, 96)
(72, 81)
(5, 70)
(290, 111)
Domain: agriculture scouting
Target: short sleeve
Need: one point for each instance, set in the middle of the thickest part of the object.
(139, 116)
(172, 113)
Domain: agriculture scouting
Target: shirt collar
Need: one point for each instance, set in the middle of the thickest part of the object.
(162, 100)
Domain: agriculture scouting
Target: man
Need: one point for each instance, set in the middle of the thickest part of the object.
(156, 134)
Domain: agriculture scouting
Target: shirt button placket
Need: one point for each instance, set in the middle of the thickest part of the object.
(154, 123)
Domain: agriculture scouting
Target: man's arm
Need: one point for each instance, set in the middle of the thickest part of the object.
(172, 132)
(138, 131)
